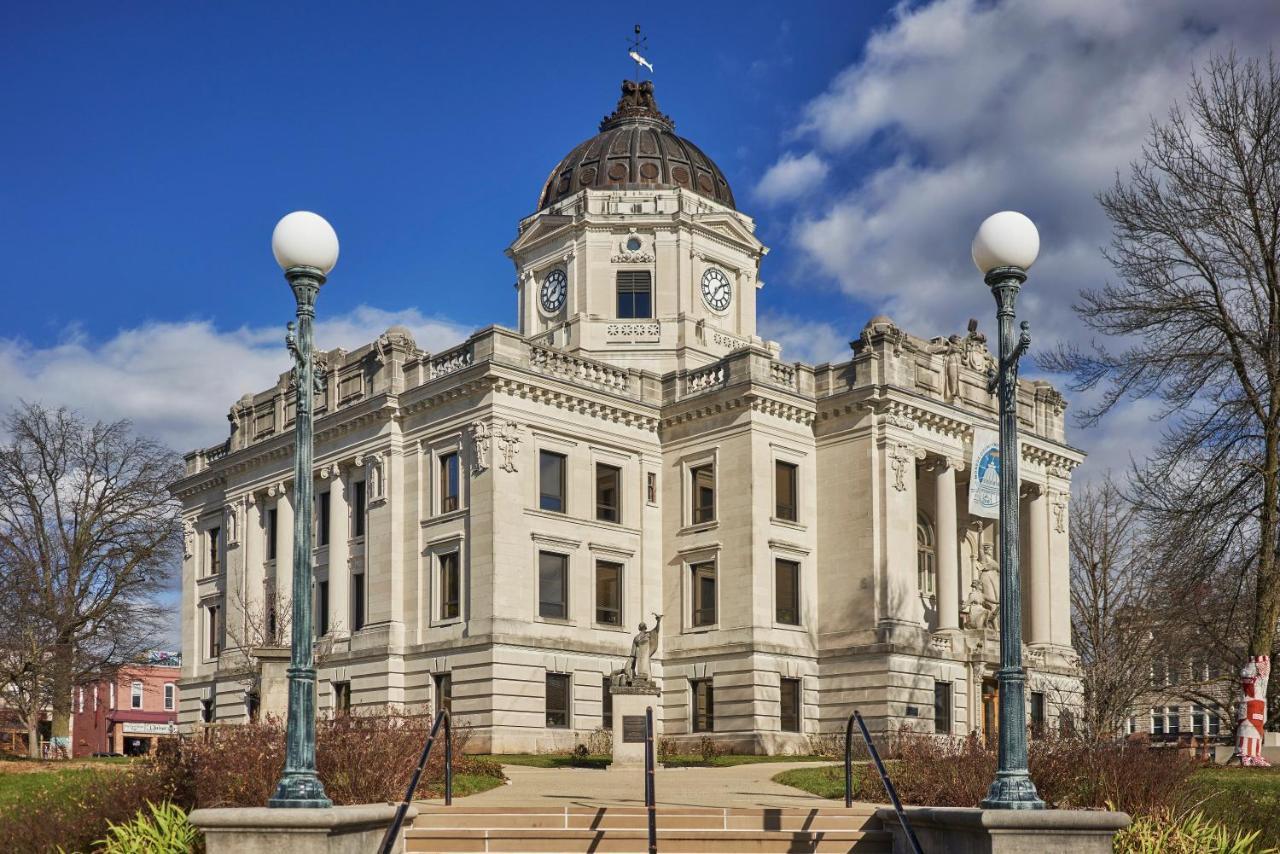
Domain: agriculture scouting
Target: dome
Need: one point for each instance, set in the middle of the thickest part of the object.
(636, 149)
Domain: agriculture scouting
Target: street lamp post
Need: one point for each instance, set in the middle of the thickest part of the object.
(306, 248)
(1006, 245)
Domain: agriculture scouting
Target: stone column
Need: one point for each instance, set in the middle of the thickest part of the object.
(284, 552)
(1038, 566)
(947, 546)
(339, 555)
(900, 603)
(1059, 549)
(254, 571)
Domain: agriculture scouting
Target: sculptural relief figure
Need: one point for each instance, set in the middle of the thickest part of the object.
(1251, 711)
(953, 352)
(983, 603)
(188, 538)
(639, 667)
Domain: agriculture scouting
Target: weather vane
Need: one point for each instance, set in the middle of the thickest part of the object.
(638, 43)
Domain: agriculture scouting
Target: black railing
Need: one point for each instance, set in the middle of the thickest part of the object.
(884, 776)
(393, 832)
(650, 794)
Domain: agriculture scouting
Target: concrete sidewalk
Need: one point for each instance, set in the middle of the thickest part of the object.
(736, 786)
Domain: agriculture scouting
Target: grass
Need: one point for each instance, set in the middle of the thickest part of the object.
(728, 760)
(467, 784)
(694, 760)
(553, 760)
(62, 783)
(1241, 798)
(826, 781)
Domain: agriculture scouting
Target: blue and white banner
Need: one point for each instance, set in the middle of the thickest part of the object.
(984, 474)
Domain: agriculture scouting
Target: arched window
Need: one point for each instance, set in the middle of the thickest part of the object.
(926, 565)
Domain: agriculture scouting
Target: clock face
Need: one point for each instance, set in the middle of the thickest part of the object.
(717, 293)
(554, 289)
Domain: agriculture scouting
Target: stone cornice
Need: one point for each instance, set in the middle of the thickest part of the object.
(747, 396)
(543, 391)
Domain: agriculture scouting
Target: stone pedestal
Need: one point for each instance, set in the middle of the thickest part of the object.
(976, 831)
(629, 704)
(273, 680)
(335, 830)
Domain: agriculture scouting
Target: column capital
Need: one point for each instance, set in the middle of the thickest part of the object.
(940, 463)
(1028, 489)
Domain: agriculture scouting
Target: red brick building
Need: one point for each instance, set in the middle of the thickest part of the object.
(128, 710)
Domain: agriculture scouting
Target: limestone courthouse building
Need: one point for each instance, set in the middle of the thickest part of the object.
(493, 521)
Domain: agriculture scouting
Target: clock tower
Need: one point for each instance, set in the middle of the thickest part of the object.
(637, 254)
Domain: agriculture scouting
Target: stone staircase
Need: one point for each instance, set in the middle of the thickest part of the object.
(614, 830)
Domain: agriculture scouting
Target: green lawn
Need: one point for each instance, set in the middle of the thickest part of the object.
(1242, 798)
(468, 784)
(826, 781)
(552, 760)
(698, 761)
(65, 782)
(566, 760)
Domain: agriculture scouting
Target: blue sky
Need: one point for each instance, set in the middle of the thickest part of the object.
(156, 145)
(150, 148)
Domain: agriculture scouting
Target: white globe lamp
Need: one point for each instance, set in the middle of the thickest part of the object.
(1006, 239)
(305, 239)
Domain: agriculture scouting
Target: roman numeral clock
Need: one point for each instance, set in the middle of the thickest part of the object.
(555, 286)
(717, 292)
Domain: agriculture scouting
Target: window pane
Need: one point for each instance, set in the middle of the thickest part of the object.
(551, 481)
(450, 598)
(553, 578)
(790, 698)
(322, 607)
(606, 704)
(787, 592)
(704, 594)
(358, 511)
(357, 601)
(557, 700)
(704, 494)
(214, 567)
(608, 479)
(704, 719)
(785, 491)
(322, 512)
(942, 707)
(272, 529)
(449, 478)
(634, 294)
(609, 593)
(444, 693)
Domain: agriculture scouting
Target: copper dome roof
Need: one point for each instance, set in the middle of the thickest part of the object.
(636, 149)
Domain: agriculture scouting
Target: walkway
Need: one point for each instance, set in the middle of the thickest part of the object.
(747, 785)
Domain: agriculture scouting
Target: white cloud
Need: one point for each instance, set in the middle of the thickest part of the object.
(1025, 104)
(805, 340)
(176, 381)
(791, 177)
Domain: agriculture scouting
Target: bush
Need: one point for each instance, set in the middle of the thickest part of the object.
(165, 831)
(360, 758)
(1164, 832)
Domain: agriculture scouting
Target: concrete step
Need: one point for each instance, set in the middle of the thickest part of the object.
(602, 830)
(546, 841)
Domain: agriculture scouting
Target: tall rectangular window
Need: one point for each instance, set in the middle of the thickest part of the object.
(608, 593)
(606, 702)
(608, 493)
(170, 697)
(322, 518)
(784, 490)
(450, 586)
(942, 707)
(1215, 724)
(357, 601)
(214, 639)
(789, 696)
(553, 585)
(444, 692)
(322, 608)
(651, 487)
(358, 508)
(1197, 719)
(1157, 721)
(704, 705)
(703, 486)
(341, 698)
(635, 294)
(1173, 720)
(551, 481)
(1037, 714)
(558, 692)
(273, 532)
(135, 695)
(786, 592)
(215, 564)
(450, 482)
(704, 593)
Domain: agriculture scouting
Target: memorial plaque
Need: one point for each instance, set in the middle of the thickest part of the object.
(632, 728)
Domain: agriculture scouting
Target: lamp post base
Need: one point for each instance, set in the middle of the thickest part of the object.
(300, 791)
(1012, 791)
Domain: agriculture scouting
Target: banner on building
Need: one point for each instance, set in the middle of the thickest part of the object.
(984, 474)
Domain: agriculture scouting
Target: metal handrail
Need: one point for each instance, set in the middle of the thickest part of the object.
(389, 839)
(650, 793)
(884, 776)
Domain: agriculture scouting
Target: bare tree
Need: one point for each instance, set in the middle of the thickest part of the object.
(90, 534)
(1197, 311)
(1113, 622)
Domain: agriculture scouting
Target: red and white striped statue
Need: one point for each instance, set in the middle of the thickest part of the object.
(1251, 713)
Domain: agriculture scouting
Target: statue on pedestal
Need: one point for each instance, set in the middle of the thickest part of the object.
(638, 670)
(982, 606)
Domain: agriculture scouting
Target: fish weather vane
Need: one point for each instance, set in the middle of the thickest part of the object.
(638, 43)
